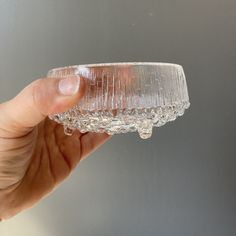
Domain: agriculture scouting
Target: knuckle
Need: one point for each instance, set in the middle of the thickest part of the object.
(36, 91)
(38, 95)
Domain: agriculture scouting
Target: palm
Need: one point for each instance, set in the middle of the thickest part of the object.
(54, 156)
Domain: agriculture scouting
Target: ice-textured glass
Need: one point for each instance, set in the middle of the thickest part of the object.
(125, 97)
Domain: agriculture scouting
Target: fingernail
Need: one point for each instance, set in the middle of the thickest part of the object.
(69, 86)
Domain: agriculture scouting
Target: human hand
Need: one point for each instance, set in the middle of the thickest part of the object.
(35, 155)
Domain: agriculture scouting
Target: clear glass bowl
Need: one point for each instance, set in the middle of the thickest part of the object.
(125, 97)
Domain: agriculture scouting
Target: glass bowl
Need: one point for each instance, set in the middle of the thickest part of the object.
(125, 97)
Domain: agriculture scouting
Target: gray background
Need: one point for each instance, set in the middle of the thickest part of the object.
(182, 181)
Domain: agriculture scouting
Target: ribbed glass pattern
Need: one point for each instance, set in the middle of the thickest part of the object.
(125, 97)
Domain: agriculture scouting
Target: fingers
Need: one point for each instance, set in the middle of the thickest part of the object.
(41, 98)
(91, 141)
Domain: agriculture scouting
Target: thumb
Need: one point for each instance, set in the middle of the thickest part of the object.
(41, 98)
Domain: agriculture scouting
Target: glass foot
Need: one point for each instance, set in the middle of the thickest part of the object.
(145, 129)
(68, 131)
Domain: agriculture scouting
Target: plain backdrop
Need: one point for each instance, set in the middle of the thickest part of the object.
(180, 182)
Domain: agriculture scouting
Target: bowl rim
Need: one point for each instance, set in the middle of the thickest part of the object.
(117, 64)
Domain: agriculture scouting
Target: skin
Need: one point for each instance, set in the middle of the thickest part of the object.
(35, 154)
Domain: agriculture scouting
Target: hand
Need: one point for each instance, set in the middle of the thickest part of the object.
(35, 155)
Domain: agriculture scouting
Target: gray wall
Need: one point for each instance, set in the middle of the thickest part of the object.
(180, 182)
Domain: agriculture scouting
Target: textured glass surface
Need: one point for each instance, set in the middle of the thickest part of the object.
(125, 97)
